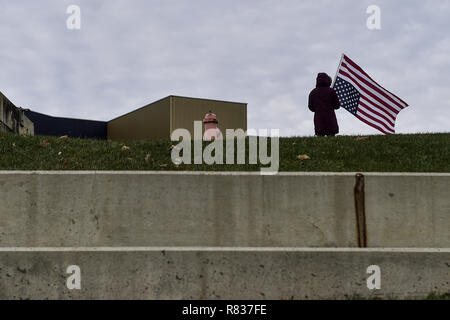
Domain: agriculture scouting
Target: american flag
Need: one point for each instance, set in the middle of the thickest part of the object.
(368, 101)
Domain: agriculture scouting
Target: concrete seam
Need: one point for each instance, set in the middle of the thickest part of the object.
(225, 249)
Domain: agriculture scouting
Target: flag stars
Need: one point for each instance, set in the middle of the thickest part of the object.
(347, 94)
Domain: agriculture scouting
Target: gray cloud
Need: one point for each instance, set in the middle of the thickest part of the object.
(266, 53)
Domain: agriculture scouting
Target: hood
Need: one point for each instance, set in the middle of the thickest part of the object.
(323, 80)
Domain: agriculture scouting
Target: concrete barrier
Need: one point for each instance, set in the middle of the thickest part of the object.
(408, 210)
(175, 209)
(222, 273)
(220, 209)
(208, 235)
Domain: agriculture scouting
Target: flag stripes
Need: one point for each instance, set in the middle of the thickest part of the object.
(355, 66)
(376, 106)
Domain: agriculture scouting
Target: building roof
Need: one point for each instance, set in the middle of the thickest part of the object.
(175, 96)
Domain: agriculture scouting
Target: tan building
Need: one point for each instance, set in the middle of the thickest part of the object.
(13, 119)
(159, 119)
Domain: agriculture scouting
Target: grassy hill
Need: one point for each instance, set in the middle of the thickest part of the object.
(396, 153)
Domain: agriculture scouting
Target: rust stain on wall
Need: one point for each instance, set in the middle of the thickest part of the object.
(361, 229)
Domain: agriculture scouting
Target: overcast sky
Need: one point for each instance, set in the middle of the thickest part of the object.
(266, 53)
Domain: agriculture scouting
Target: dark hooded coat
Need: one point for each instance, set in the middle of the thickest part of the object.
(323, 100)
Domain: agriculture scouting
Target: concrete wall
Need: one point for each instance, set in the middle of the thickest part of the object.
(172, 209)
(213, 273)
(220, 209)
(184, 111)
(151, 122)
(200, 235)
(405, 210)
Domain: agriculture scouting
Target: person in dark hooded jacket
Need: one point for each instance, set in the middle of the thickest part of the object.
(323, 100)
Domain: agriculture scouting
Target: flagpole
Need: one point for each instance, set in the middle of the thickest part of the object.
(339, 66)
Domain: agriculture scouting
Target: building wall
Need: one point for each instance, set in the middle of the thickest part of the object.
(3, 126)
(151, 122)
(75, 128)
(13, 119)
(27, 128)
(184, 111)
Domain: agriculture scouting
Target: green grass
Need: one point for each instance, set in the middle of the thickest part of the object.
(395, 153)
